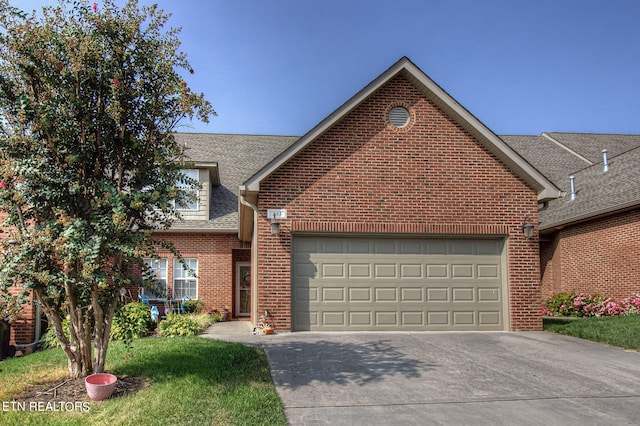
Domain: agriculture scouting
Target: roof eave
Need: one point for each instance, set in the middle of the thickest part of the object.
(585, 217)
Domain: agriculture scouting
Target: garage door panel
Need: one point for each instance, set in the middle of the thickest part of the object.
(462, 271)
(488, 271)
(359, 270)
(362, 246)
(384, 246)
(463, 318)
(385, 271)
(360, 319)
(305, 294)
(489, 294)
(462, 294)
(437, 271)
(489, 318)
(333, 294)
(333, 270)
(436, 247)
(360, 295)
(438, 318)
(489, 247)
(389, 294)
(461, 247)
(411, 270)
(397, 284)
(331, 245)
(386, 319)
(413, 319)
(334, 318)
(411, 295)
(438, 294)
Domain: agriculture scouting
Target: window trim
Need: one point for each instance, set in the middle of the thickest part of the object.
(148, 260)
(182, 186)
(177, 267)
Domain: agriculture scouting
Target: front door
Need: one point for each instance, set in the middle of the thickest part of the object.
(243, 289)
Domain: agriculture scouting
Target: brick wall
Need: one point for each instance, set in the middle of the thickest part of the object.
(431, 177)
(23, 331)
(600, 256)
(215, 264)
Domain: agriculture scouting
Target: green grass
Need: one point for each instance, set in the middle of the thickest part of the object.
(623, 331)
(192, 381)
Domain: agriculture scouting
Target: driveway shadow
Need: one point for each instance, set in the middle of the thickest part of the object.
(299, 363)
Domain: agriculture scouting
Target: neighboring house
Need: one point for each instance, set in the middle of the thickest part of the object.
(590, 241)
(399, 211)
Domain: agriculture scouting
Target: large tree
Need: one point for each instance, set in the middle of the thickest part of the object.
(89, 97)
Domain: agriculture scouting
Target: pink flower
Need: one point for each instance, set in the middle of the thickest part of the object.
(95, 6)
(3, 184)
(115, 82)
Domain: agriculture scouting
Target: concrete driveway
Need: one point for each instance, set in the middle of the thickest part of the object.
(528, 378)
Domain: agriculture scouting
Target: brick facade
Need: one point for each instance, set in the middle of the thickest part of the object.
(600, 256)
(216, 264)
(428, 178)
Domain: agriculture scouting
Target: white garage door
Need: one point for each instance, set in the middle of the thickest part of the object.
(349, 283)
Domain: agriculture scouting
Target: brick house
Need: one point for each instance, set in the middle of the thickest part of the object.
(399, 211)
(589, 237)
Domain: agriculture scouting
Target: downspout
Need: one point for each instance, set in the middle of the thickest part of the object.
(254, 260)
(38, 331)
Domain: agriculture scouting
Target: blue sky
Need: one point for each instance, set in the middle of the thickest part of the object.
(521, 67)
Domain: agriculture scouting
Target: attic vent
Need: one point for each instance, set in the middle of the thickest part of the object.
(399, 117)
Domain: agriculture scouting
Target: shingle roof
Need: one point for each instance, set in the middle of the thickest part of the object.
(549, 158)
(555, 155)
(590, 145)
(238, 158)
(560, 155)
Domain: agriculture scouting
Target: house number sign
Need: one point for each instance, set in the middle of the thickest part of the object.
(276, 213)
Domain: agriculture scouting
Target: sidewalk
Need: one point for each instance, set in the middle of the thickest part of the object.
(239, 331)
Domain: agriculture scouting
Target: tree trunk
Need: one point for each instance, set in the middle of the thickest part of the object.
(103, 322)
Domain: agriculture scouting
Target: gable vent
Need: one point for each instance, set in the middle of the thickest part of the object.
(399, 117)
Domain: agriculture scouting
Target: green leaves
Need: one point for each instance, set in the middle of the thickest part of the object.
(89, 98)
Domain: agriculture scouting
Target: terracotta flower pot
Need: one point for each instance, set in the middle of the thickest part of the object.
(100, 386)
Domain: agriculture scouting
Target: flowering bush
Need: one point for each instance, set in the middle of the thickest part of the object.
(586, 305)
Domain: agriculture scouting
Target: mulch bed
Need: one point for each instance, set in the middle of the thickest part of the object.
(73, 390)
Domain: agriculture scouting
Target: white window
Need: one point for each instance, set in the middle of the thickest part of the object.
(192, 190)
(185, 282)
(157, 267)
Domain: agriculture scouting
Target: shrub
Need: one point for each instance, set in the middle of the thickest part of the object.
(586, 305)
(559, 304)
(179, 325)
(132, 321)
(216, 316)
(193, 306)
(204, 321)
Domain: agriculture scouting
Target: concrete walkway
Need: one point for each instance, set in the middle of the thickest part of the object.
(233, 331)
(497, 378)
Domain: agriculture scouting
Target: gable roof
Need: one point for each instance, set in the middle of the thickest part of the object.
(560, 155)
(545, 189)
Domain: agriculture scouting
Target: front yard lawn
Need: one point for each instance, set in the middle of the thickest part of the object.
(190, 381)
(623, 331)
